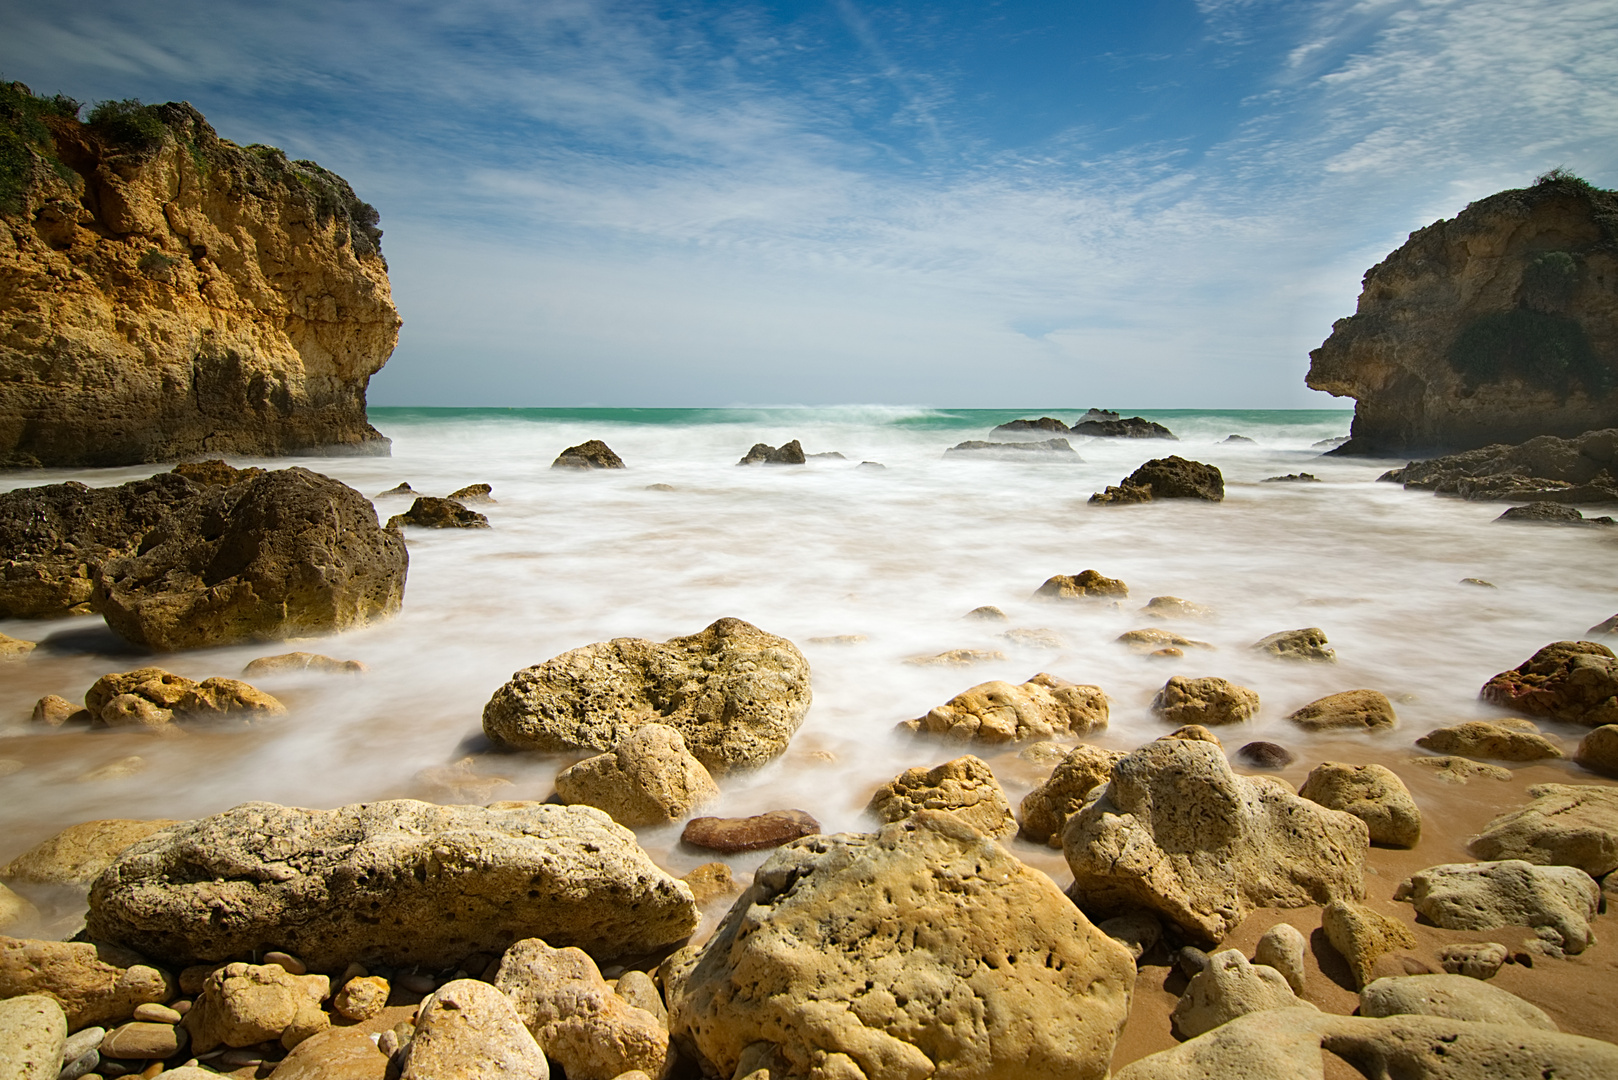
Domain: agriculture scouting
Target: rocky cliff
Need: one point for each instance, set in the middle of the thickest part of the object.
(1494, 326)
(166, 293)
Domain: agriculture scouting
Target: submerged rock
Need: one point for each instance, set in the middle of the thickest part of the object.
(1058, 447)
(957, 658)
(999, 712)
(1292, 478)
(1210, 700)
(1576, 681)
(398, 883)
(923, 950)
(1267, 755)
(303, 661)
(430, 513)
(1085, 585)
(1044, 423)
(1549, 513)
(1175, 608)
(1306, 644)
(593, 454)
(473, 493)
(734, 693)
(763, 454)
(1172, 477)
(964, 788)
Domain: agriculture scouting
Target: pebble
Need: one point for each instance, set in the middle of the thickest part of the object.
(138, 1039)
(154, 1013)
(287, 962)
(84, 1064)
(352, 971)
(235, 1059)
(1479, 582)
(182, 1006)
(415, 984)
(770, 829)
(84, 1039)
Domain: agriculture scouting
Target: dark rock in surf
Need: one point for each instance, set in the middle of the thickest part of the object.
(1240, 439)
(829, 455)
(1265, 755)
(1292, 478)
(1609, 626)
(765, 454)
(1172, 477)
(1549, 513)
(731, 835)
(1575, 681)
(594, 454)
(1546, 469)
(870, 465)
(473, 493)
(403, 488)
(1058, 447)
(215, 472)
(1044, 423)
(430, 513)
(1135, 427)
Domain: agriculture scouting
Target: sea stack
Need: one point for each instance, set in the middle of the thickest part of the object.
(171, 294)
(1494, 326)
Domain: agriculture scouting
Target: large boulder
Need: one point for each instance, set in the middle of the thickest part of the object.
(1372, 793)
(925, 950)
(1576, 681)
(734, 693)
(648, 779)
(1045, 809)
(93, 983)
(1173, 477)
(245, 1004)
(468, 1030)
(964, 788)
(1000, 712)
(1562, 825)
(398, 883)
(289, 554)
(1559, 901)
(590, 454)
(1209, 700)
(1545, 469)
(1177, 832)
(78, 854)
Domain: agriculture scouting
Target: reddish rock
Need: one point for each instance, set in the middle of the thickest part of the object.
(1576, 681)
(767, 830)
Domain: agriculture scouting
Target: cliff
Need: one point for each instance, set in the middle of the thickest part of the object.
(1495, 326)
(165, 293)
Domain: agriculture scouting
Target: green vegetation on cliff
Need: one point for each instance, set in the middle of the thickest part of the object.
(25, 140)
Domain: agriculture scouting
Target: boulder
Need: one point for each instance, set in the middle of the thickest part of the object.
(1044, 423)
(763, 454)
(1351, 710)
(734, 693)
(33, 1033)
(1460, 770)
(1085, 585)
(1598, 751)
(1372, 793)
(1206, 701)
(731, 835)
(1116, 427)
(152, 697)
(92, 983)
(1267, 755)
(923, 950)
(1559, 901)
(1227, 988)
(1475, 960)
(1152, 638)
(245, 1004)
(1454, 996)
(338, 1053)
(1045, 810)
(289, 554)
(1562, 825)
(56, 537)
(1172, 607)
(53, 710)
(1576, 681)
(468, 1030)
(302, 661)
(78, 854)
(1362, 935)
(1550, 513)
(964, 788)
(1545, 469)
(428, 512)
(1481, 739)
(362, 997)
(593, 454)
(1306, 644)
(1283, 947)
(649, 778)
(473, 493)
(576, 1018)
(1172, 477)
(1001, 712)
(398, 882)
(1177, 832)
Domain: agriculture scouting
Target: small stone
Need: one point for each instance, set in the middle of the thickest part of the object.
(82, 1042)
(1362, 935)
(1153, 638)
(362, 998)
(1265, 755)
(430, 513)
(54, 711)
(1085, 585)
(1227, 988)
(767, 830)
(987, 613)
(75, 1068)
(143, 1041)
(415, 983)
(957, 658)
(1480, 738)
(1045, 753)
(964, 788)
(1045, 810)
(1209, 700)
(1283, 947)
(1306, 644)
(1598, 751)
(1138, 932)
(1041, 638)
(403, 488)
(1475, 960)
(1191, 733)
(711, 881)
(1167, 652)
(1173, 607)
(14, 648)
(473, 493)
(1459, 770)
(303, 661)
(1479, 582)
(468, 1030)
(287, 962)
(1361, 710)
(153, 1013)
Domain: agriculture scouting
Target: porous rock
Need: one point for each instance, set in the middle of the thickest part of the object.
(711, 881)
(152, 697)
(473, 493)
(767, 830)
(1372, 793)
(33, 1032)
(1192, 733)
(1562, 825)
(923, 950)
(1177, 832)
(1306, 644)
(77, 854)
(649, 778)
(1109, 425)
(1085, 585)
(468, 1030)
(1045, 809)
(244, 1004)
(1350, 710)
(1454, 996)
(397, 882)
(1173, 477)
(1362, 935)
(92, 983)
(735, 694)
(1209, 700)
(593, 454)
(964, 788)
(637, 988)
(1283, 947)
(362, 997)
(1481, 739)
(763, 454)
(1598, 751)
(1227, 988)
(289, 554)
(1558, 900)
(999, 712)
(428, 512)
(591, 1032)
(1576, 681)
(1475, 960)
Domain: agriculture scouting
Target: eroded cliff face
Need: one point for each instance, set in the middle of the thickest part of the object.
(165, 293)
(1494, 326)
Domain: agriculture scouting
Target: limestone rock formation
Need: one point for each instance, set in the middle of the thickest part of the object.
(1562, 825)
(1227, 988)
(923, 950)
(1209, 700)
(1453, 996)
(1481, 739)
(1045, 810)
(1044, 423)
(1576, 681)
(999, 712)
(1116, 427)
(735, 693)
(1362, 935)
(1308, 643)
(1372, 793)
(649, 778)
(93, 983)
(964, 788)
(1550, 513)
(1365, 710)
(1173, 477)
(1499, 324)
(399, 882)
(152, 697)
(468, 1029)
(171, 293)
(430, 513)
(78, 854)
(593, 454)
(1177, 832)
(1559, 901)
(1545, 469)
(33, 1033)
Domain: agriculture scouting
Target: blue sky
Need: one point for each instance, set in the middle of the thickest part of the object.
(1008, 204)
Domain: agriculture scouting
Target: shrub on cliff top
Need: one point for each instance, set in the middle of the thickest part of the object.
(24, 138)
(128, 124)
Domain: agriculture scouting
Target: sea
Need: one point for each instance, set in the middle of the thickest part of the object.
(864, 568)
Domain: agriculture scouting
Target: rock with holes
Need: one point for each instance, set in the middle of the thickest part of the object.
(94, 984)
(1351, 710)
(1227, 988)
(428, 512)
(1306, 644)
(245, 1004)
(1558, 901)
(964, 788)
(1576, 681)
(649, 778)
(1454, 996)
(735, 694)
(399, 883)
(152, 697)
(1362, 935)
(1001, 712)
(1177, 832)
(1173, 477)
(1210, 700)
(33, 1033)
(925, 950)
(468, 1030)
(1372, 793)
(576, 1018)
(1085, 585)
(1475, 960)
(1562, 825)
(1081, 771)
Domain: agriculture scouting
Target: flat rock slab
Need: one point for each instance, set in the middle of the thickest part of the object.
(1559, 900)
(398, 883)
(1562, 825)
(767, 830)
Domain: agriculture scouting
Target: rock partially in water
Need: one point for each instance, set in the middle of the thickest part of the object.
(1549, 513)
(152, 697)
(1000, 712)
(1558, 900)
(1172, 477)
(1177, 832)
(593, 454)
(1207, 701)
(1460, 770)
(14, 648)
(735, 694)
(1044, 423)
(990, 613)
(398, 882)
(1306, 644)
(649, 778)
(1153, 638)
(53, 711)
(428, 512)
(473, 493)
(763, 454)
(957, 658)
(1054, 447)
(303, 661)
(1267, 755)
(1373, 793)
(1292, 478)
(1598, 751)
(1562, 825)
(402, 488)
(767, 830)
(1045, 810)
(78, 854)
(591, 1032)
(1605, 628)
(1542, 470)
(1481, 739)
(1576, 681)
(852, 955)
(964, 788)
(1238, 440)
(1173, 607)
(1115, 427)
(1085, 585)
(1350, 710)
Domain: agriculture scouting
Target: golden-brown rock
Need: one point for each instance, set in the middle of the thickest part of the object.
(1361, 934)
(1085, 585)
(1045, 810)
(999, 712)
(1363, 710)
(964, 788)
(1209, 700)
(1576, 681)
(1373, 793)
(78, 854)
(243, 1004)
(93, 983)
(116, 700)
(649, 778)
(1562, 825)
(1481, 739)
(468, 1030)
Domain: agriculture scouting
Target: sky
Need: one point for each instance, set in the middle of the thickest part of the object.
(1002, 204)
